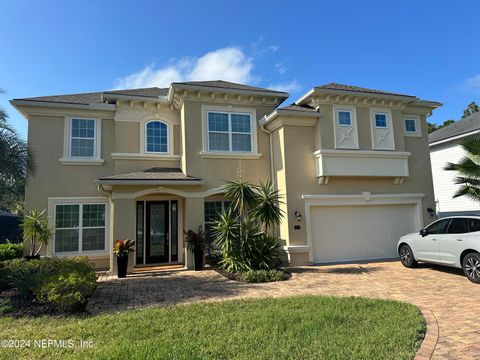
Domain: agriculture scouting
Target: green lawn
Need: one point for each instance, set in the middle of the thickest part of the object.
(306, 327)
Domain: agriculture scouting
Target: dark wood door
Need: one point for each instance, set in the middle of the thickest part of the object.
(157, 232)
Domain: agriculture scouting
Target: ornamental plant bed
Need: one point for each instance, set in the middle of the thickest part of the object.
(255, 276)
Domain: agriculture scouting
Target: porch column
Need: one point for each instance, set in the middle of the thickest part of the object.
(194, 217)
(123, 228)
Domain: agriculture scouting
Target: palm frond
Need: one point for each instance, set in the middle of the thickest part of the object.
(466, 167)
(472, 145)
(470, 191)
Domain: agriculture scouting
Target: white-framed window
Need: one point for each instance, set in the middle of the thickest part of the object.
(212, 210)
(381, 120)
(229, 132)
(80, 227)
(82, 138)
(411, 125)
(156, 137)
(382, 129)
(82, 141)
(344, 117)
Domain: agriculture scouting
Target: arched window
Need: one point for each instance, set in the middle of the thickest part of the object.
(156, 137)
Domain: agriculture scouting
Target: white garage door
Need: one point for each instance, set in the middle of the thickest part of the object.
(347, 233)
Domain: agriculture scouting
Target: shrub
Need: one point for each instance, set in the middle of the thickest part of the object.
(5, 306)
(259, 276)
(69, 291)
(65, 283)
(10, 251)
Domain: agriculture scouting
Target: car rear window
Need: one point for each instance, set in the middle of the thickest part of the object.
(474, 225)
(458, 226)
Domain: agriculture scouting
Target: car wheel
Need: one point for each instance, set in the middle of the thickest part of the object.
(471, 267)
(406, 256)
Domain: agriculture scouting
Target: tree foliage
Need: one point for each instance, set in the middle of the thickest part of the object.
(468, 170)
(16, 163)
(471, 108)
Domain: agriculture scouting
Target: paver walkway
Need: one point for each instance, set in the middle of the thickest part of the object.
(451, 298)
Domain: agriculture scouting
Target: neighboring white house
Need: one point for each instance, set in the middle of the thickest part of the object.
(445, 147)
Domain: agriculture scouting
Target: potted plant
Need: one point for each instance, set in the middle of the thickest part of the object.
(121, 250)
(35, 229)
(196, 243)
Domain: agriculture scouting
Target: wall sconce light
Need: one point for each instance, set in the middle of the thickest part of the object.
(431, 211)
(298, 216)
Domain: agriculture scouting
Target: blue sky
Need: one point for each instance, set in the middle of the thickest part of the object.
(425, 48)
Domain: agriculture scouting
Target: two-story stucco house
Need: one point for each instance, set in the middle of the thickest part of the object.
(146, 164)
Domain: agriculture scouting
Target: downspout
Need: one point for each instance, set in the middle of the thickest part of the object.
(102, 190)
(262, 127)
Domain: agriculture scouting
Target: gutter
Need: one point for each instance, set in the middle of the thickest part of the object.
(149, 182)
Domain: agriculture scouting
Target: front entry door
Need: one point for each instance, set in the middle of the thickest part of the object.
(157, 234)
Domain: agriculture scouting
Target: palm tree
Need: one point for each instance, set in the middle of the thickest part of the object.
(16, 158)
(243, 198)
(267, 210)
(35, 229)
(468, 170)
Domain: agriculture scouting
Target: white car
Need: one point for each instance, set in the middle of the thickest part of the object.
(452, 241)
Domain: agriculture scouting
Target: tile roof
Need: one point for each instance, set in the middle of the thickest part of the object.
(470, 123)
(228, 85)
(96, 97)
(154, 174)
(341, 87)
(153, 92)
(300, 108)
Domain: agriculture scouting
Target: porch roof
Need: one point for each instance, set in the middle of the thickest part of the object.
(153, 176)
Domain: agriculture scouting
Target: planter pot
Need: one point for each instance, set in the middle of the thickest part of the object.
(32, 257)
(122, 265)
(198, 256)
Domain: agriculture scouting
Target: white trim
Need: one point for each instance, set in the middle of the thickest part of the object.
(145, 151)
(80, 161)
(291, 249)
(53, 201)
(363, 153)
(167, 190)
(365, 163)
(230, 110)
(389, 131)
(364, 198)
(143, 136)
(149, 156)
(67, 159)
(454, 138)
(353, 127)
(418, 129)
(229, 155)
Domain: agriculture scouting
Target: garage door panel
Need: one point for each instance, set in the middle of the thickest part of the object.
(346, 233)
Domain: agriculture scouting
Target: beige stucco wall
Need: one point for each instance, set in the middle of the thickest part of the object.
(52, 179)
(216, 171)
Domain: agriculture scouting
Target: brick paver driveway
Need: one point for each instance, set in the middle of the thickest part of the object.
(445, 292)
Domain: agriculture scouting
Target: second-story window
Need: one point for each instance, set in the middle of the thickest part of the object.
(156, 135)
(229, 132)
(82, 140)
(344, 118)
(381, 120)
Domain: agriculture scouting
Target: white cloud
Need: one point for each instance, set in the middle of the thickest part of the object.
(230, 64)
(290, 87)
(281, 67)
(472, 83)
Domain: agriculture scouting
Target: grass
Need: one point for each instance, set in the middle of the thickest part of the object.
(306, 327)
